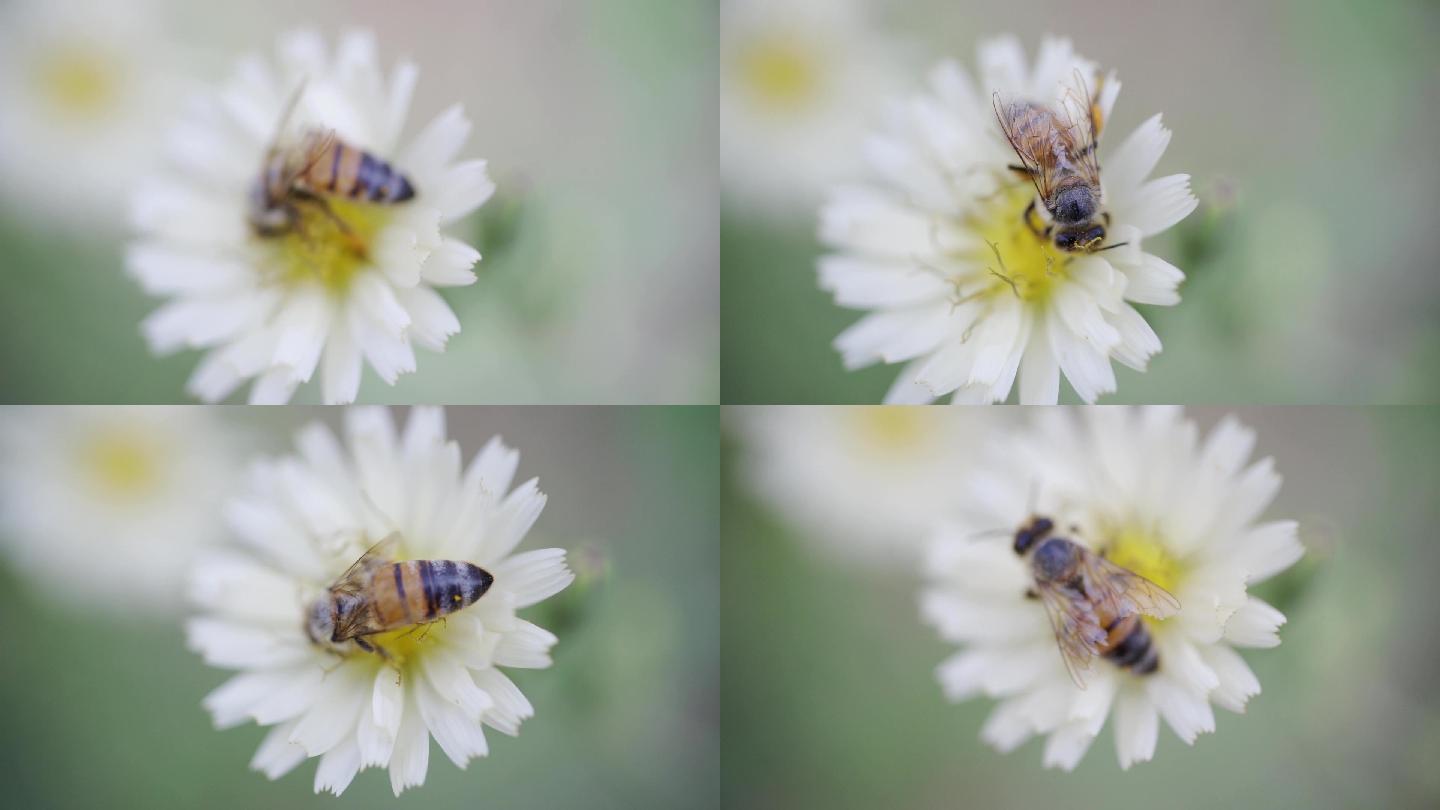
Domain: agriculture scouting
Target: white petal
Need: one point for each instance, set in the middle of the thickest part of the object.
(863, 284)
(894, 336)
(338, 767)
(449, 265)
(453, 683)
(1133, 160)
(905, 391)
(1138, 342)
(1137, 726)
(1006, 727)
(534, 576)
(1256, 624)
(411, 757)
(463, 188)
(459, 736)
(432, 320)
(1188, 714)
(511, 707)
(1039, 371)
(1153, 281)
(517, 513)
(340, 376)
(437, 144)
(527, 647)
(1158, 204)
(276, 755)
(335, 711)
(1237, 683)
(1268, 549)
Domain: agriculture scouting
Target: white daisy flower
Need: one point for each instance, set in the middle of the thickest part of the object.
(1144, 490)
(800, 81)
(963, 290)
(302, 521)
(862, 484)
(274, 308)
(81, 86)
(109, 501)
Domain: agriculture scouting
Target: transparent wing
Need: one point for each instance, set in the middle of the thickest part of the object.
(314, 146)
(1077, 630)
(1080, 129)
(357, 576)
(1035, 150)
(1123, 592)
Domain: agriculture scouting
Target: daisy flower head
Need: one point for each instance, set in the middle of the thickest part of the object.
(113, 501)
(1145, 491)
(298, 232)
(81, 86)
(799, 84)
(964, 281)
(377, 697)
(860, 484)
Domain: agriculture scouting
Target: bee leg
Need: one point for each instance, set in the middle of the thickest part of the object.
(357, 245)
(1023, 171)
(1030, 221)
(1031, 593)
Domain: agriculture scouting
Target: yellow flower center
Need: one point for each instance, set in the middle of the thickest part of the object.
(319, 248)
(1020, 261)
(121, 464)
(1141, 551)
(891, 430)
(779, 73)
(78, 81)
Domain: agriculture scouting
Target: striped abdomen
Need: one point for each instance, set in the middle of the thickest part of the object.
(419, 591)
(340, 170)
(1129, 646)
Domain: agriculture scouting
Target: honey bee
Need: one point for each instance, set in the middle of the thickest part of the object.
(377, 595)
(313, 169)
(1094, 605)
(1057, 154)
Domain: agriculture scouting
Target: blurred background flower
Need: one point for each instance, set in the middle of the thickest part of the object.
(800, 83)
(859, 485)
(81, 86)
(120, 697)
(1307, 270)
(104, 508)
(841, 708)
(599, 279)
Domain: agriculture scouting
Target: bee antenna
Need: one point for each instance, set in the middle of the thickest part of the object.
(984, 533)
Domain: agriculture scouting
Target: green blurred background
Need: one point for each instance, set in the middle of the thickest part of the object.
(599, 282)
(104, 710)
(831, 699)
(1307, 128)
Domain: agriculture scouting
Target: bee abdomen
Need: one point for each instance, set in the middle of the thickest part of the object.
(378, 181)
(1134, 650)
(448, 585)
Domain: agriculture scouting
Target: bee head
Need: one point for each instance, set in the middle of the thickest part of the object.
(1079, 240)
(1054, 559)
(1073, 205)
(320, 622)
(1031, 533)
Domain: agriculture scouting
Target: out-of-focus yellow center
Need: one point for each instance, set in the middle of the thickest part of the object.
(121, 463)
(895, 429)
(779, 72)
(319, 249)
(1141, 552)
(78, 81)
(1020, 261)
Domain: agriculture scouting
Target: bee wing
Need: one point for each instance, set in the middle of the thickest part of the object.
(357, 576)
(1035, 154)
(315, 144)
(1077, 630)
(1080, 132)
(1124, 591)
